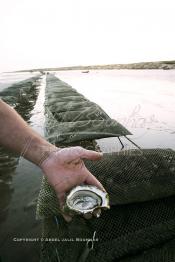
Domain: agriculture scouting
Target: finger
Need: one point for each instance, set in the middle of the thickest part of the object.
(62, 199)
(66, 217)
(90, 154)
(91, 180)
(87, 216)
(97, 213)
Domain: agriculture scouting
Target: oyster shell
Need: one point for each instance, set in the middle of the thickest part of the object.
(87, 199)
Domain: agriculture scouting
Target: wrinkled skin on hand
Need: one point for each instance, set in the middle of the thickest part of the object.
(65, 169)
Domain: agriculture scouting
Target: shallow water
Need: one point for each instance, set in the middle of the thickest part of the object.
(19, 190)
(143, 101)
(7, 79)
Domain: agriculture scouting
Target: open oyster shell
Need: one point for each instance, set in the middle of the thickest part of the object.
(87, 199)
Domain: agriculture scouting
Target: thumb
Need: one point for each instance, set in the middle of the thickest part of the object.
(62, 198)
(91, 180)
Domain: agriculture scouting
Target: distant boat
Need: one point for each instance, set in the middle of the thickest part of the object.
(87, 71)
(166, 67)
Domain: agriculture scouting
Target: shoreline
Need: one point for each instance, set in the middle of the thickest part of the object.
(165, 65)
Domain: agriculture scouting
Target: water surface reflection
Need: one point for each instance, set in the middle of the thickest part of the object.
(19, 179)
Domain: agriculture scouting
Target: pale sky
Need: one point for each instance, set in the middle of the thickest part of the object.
(53, 33)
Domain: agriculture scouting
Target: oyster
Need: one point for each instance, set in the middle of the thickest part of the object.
(87, 199)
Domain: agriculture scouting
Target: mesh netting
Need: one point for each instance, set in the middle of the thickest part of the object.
(140, 226)
(144, 175)
(142, 213)
(22, 96)
(72, 117)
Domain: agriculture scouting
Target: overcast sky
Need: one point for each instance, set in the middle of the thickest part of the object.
(52, 33)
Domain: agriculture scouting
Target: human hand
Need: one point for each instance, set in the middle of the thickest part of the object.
(65, 169)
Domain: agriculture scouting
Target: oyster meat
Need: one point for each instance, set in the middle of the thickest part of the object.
(87, 199)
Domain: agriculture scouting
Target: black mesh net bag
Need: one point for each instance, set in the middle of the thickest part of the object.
(140, 226)
(70, 117)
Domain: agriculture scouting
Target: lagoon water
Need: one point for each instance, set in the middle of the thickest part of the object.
(7, 79)
(141, 100)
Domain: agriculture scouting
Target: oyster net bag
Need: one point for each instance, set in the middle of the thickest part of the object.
(140, 226)
(70, 117)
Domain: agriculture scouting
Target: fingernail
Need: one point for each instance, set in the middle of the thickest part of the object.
(103, 189)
